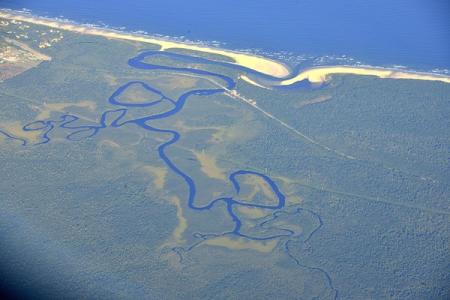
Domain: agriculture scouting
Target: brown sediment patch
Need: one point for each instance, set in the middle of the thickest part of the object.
(209, 166)
(47, 108)
(242, 244)
(252, 212)
(259, 185)
(114, 153)
(183, 127)
(218, 136)
(111, 80)
(137, 93)
(15, 129)
(159, 174)
(227, 134)
(177, 233)
(109, 143)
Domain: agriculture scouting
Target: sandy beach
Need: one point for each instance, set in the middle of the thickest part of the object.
(257, 63)
(321, 74)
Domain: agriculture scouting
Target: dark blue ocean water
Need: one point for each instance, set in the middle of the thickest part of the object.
(415, 33)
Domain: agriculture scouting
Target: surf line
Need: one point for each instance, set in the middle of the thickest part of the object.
(278, 74)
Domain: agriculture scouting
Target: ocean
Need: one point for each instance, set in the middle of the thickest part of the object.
(411, 33)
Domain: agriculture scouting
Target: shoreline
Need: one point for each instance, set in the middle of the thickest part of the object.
(266, 66)
(321, 74)
(260, 64)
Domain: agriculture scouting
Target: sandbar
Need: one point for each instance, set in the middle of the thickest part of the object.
(242, 244)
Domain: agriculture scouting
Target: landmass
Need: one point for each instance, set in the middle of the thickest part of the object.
(136, 167)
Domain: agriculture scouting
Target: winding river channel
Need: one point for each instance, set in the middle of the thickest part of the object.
(116, 118)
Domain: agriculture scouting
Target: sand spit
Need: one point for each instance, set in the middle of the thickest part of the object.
(257, 63)
(321, 74)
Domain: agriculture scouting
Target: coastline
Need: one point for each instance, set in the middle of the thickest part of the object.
(321, 74)
(260, 64)
(276, 69)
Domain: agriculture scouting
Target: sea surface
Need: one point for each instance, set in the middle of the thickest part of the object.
(412, 33)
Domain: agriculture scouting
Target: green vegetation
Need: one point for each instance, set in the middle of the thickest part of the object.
(104, 210)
